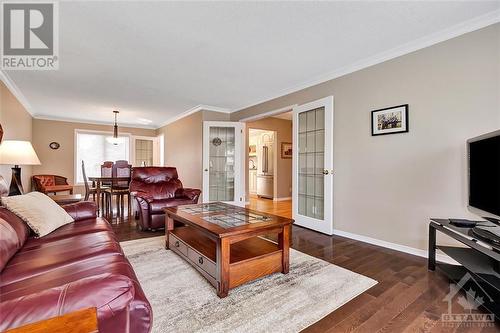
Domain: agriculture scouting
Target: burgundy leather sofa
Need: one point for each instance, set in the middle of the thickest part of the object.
(155, 188)
(77, 266)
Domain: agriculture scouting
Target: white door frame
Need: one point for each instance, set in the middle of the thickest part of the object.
(326, 225)
(239, 173)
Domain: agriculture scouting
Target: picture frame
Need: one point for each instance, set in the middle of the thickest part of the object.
(391, 120)
(286, 150)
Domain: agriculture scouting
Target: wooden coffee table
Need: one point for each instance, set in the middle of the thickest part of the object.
(222, 242)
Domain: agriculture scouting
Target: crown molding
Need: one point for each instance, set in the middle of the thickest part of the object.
(91, 122)
(268, 114)
(195, 109)
(462, 28)
(9, 83)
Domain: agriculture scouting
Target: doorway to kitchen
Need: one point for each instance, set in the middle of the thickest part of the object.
(261, 163)
(269, 183)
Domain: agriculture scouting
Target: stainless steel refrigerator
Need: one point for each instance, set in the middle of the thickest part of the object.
(265, 178)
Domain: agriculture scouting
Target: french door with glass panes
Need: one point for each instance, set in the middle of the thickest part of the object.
(313, 165)
(222, 142)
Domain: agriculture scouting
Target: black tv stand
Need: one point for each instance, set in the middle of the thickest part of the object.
(479, 259)
(492, 220)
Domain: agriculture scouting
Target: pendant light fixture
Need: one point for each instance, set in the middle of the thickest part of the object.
(115, 139)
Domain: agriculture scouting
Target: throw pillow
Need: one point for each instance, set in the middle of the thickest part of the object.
(42, 214)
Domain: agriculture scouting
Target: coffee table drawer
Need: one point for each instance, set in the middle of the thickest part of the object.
(176, 244)
(201, 261)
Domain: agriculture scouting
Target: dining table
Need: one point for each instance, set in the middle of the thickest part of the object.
(97, 183)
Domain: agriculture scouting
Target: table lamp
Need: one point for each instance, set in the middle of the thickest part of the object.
(17, 153)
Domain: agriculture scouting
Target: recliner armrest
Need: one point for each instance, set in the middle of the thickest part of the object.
(82, 210)
(142, 195)
(191, 193)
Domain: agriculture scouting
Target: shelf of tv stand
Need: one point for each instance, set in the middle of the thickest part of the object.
(481, 265)
(478, 258)
(455, 274)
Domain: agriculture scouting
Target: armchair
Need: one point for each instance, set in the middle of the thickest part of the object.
(155, 188)
(51, 184)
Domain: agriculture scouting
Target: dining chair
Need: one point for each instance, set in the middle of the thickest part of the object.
(107, 171)
(105, 199)
(120, 188)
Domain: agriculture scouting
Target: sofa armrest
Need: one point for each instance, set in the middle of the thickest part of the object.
(82, 210)
(115, 297)
(190, 193)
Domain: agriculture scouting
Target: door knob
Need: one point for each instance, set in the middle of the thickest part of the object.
(206, 169)
(325, 172)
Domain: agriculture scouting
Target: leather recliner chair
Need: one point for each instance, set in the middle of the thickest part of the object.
(155, 188)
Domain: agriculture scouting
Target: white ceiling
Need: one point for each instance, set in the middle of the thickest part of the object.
(156, 60)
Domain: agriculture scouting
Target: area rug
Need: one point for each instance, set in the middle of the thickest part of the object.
(183, 301)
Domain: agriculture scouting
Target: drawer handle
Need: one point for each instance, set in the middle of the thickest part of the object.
(200, 260)
(177, 244)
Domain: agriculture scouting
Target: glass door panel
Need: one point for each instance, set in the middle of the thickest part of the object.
(312, 142)
(313, 164)
(221, 164)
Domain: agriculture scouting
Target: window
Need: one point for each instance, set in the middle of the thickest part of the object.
(94, 148)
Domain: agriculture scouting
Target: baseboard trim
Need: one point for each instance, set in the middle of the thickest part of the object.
(282, 199)
(393, 246)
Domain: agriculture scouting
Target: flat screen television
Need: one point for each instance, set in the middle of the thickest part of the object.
(484, 174)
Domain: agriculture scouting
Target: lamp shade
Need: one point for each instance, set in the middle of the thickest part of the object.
(15, 152)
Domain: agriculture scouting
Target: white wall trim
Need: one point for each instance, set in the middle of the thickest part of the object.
(393, 246)
(91, 122)
(420, 43)
(9, 83)
(195, 109)
(282, 199)
(269, 113)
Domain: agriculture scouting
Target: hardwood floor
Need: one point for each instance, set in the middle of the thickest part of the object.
(407, 298)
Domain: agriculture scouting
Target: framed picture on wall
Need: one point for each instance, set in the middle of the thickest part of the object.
(286, 150)
(390, 120)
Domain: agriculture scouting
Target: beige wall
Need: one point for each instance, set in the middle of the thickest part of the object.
(283, 170)
(62, 161)
(17, 125)
(387, 187)
(184, 146)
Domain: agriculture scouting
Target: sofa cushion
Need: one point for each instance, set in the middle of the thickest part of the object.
(35, 260)
(40, 212)
(157, 182)
(15, 221)
(9, 242)
(116, 264)
(57, 188)
(156, 206)
(71, 230)
(13, 234)
(111, 294)
(81, 210)
(45, 180)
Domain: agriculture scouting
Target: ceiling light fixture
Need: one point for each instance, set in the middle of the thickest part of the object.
(115, 139)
